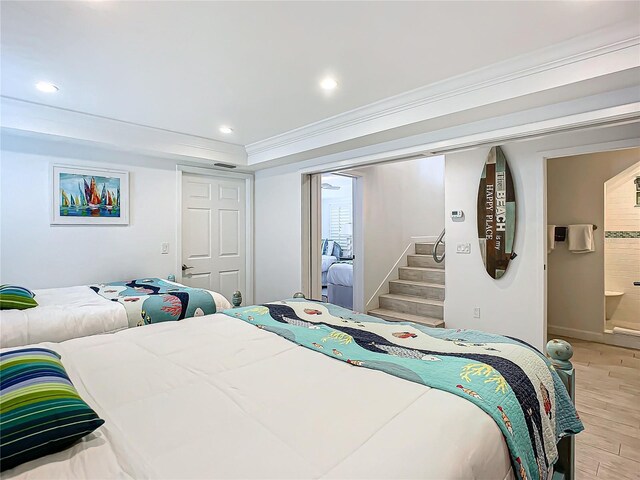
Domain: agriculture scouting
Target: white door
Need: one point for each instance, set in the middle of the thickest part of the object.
(214, 233)
(315, 235)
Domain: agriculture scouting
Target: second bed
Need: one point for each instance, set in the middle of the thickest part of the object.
(72, 312)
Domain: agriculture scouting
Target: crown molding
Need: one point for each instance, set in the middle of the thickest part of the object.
(36, 119)
(599, 57)
(464, 138)
(584, 58)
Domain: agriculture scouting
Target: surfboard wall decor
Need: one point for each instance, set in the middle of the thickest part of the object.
(496, 214)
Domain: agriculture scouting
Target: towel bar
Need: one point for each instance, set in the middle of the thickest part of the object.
(560, 234)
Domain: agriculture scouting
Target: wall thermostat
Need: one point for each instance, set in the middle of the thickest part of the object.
(457, 214)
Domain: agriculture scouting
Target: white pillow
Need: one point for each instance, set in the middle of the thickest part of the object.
(221, 302)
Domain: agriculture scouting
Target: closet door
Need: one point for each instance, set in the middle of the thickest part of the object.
(214, 251)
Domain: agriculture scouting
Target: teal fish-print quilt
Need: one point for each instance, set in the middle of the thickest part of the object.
(151, 300)
(511, 381)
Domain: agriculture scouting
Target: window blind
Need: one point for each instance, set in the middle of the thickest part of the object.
(340, 226)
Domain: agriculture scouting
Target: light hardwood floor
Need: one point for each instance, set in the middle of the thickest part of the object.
(608, 401)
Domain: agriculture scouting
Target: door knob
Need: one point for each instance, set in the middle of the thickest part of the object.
(184, 267)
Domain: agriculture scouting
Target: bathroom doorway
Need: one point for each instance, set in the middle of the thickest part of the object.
(593, 254)
(622, 251)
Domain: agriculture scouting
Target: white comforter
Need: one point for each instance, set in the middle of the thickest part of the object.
(327, 261)
(66, 313)
(340, 274)
(215, 397)
(61, 314)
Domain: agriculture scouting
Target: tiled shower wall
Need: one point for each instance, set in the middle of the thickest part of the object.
(622, 246)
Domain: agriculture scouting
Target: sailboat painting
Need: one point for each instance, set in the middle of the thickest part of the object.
(87, 196)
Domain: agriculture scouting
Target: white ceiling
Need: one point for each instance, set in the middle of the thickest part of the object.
(345, 184)
(192, 66)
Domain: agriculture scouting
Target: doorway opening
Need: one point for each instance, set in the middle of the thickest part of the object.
(336, 192)
(383, 240)
(593, 254)
(622, 252)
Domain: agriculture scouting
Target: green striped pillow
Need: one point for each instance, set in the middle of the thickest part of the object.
(40, 409)
(14, 297)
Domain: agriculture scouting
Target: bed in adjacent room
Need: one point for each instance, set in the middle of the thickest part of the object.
(304, 396)
(340, 284)
(71, 312)
(331, 253)
(327, 261)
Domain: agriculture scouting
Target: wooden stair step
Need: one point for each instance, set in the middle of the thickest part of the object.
(413, 305)
(426, 248)
(410, 298)
(430, 269)
(417, 288)
(393, 316)
(427, 261)
(419, 283)
(424, 274)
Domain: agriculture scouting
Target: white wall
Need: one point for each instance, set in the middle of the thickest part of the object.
(402, 201)
(515, 304)
(37, 255)
(278, 234)
(575, 194)
(511, 305)
(622, 255)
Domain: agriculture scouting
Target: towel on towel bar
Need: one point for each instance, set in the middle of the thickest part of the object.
(551, 238)
(580, 238)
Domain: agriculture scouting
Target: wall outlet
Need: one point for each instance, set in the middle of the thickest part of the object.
(476, 312)
(464, 248)
(164, 248)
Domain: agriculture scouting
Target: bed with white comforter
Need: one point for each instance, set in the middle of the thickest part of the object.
(215, 397)
(61, 314)
(66, 313)
(341, 274)
(327, 261)
(340, 284)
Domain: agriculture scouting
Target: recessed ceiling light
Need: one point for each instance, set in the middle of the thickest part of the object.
(225, 129)
(46, 87)
(328, 83)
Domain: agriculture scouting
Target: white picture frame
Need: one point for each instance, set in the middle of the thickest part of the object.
(106, 202)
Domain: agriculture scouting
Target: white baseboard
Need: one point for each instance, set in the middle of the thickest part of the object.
(609, 338)
(575, 333)
(622, 340)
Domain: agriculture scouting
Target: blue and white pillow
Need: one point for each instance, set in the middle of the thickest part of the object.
(329, 248)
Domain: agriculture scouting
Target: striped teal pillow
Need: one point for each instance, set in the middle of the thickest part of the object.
(14, 297)
(40, 410)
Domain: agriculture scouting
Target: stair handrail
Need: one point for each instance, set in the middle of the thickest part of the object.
(440, 240)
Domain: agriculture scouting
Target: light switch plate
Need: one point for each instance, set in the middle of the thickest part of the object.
(476, 312)
(463, 248)
(164, 248)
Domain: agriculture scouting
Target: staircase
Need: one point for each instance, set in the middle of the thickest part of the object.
(418, 295)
